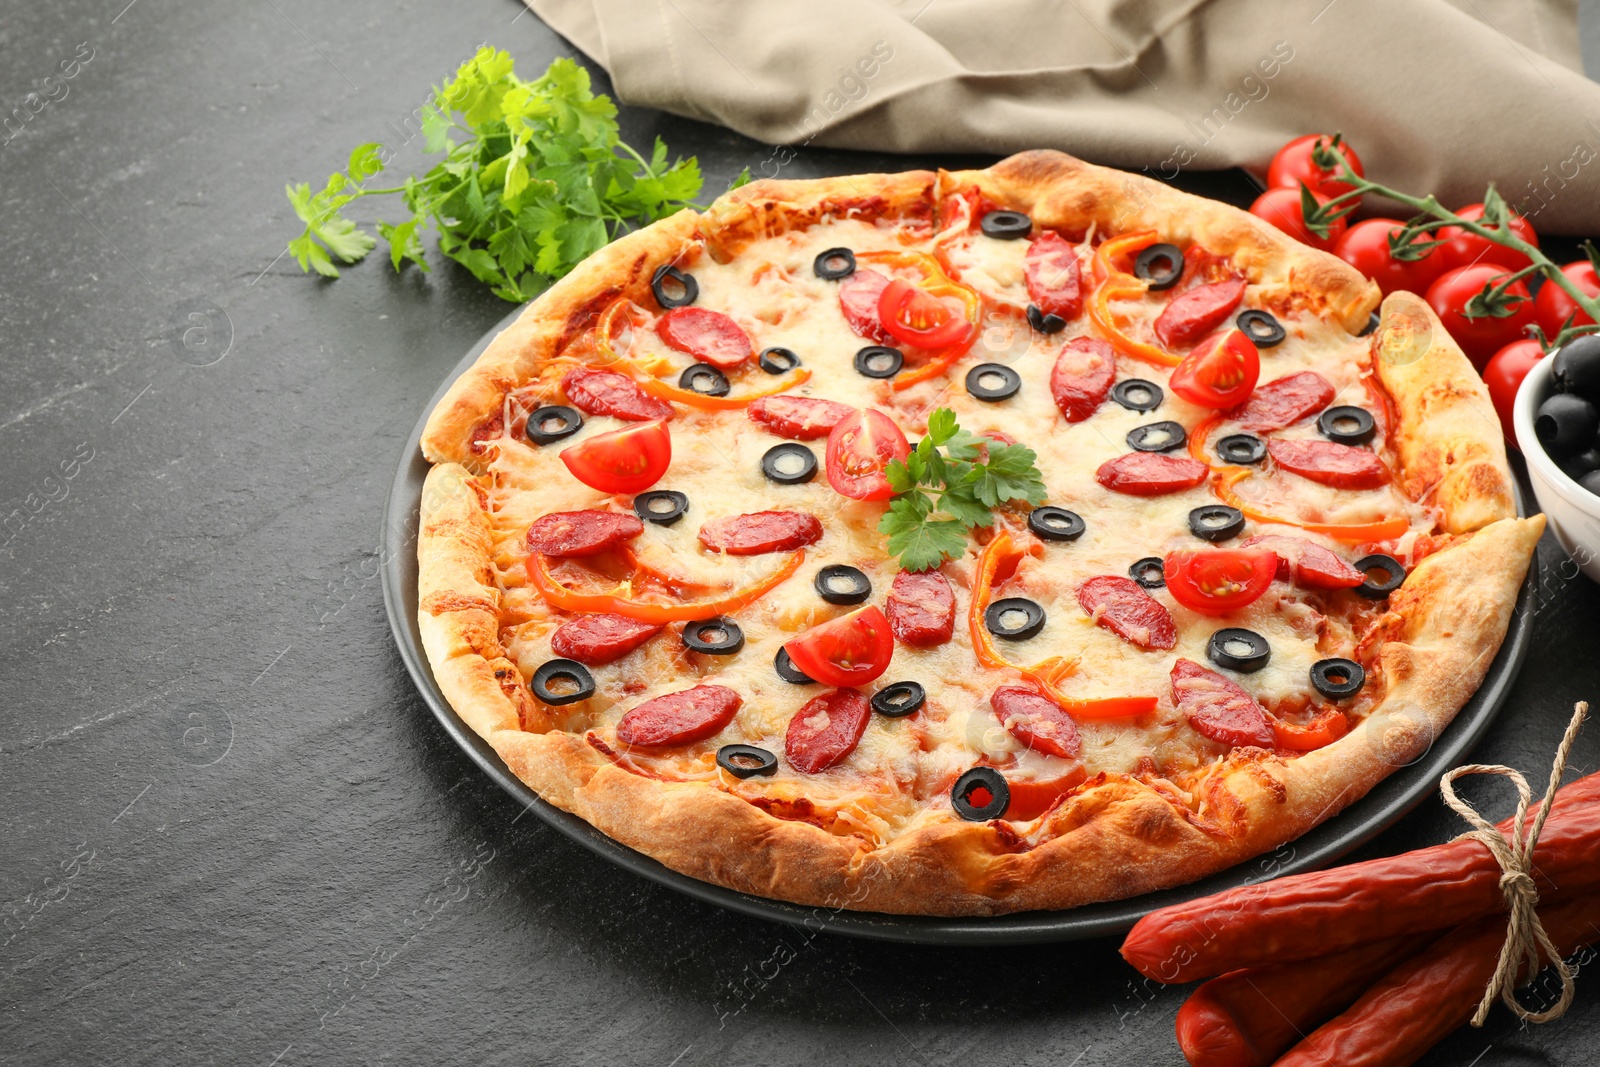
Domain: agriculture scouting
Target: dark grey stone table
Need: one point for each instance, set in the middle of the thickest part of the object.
(230, 832)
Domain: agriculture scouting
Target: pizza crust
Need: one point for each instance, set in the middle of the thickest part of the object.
(1449, 437)
(1117, 836)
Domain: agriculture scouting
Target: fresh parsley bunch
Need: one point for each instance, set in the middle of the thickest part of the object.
(537, 181)
(943, 476)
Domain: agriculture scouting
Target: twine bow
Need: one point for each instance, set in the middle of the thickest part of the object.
(1526, 945)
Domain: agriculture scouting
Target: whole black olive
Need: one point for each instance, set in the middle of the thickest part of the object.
(1575, 368)
(1566, 424)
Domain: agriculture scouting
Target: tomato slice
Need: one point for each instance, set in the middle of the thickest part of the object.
(850, 650)
(1220, 373)
(917, 318)
(629, 460)
(860, 446)
(1219, 580)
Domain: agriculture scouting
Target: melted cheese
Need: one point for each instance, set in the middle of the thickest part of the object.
(900, 774)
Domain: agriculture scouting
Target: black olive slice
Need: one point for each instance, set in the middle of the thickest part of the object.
(1372, 324)
(746, 761)
(1338, 678)
(1150, 572)
(1136, 394)
(1160, 265)
(788, 671)
(1241, 448)
(834, 264)
(790, 463)
(1262, 328)
(1238, 649)
(778, 360)
(993, 381)
(1044, 321)
(1565, 424)
(548, 425)
(660, 506)
(674, 288)
(1015, 618)
(980, 795)
(1051, 523)
(1378, 588)
(1005, 225)
(1216, 522)
(1157, 437)
(842, 584)
(1347, 425)
(714, 637)
(898, 700)
(879, 361)
(579, 683)
(704, 379)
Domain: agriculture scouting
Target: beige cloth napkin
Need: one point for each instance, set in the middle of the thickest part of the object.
(1434, 95)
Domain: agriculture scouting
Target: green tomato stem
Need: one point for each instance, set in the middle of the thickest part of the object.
(1507, 238)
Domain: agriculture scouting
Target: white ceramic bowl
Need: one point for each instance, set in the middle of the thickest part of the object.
(1571, 510)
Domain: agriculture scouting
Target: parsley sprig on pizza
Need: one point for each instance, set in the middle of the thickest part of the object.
(959, 475)
(1185, 556)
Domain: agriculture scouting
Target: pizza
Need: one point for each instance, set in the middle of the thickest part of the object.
(964, 543)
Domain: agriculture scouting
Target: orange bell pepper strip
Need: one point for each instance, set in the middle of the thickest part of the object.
(1114, 283)
(559, 596)
(606, 329)
(1351, 533)
(1323, 730)
(937, 282)
(1046, 673)
(1226, 477)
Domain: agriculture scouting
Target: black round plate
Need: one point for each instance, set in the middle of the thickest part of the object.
(1363, 820)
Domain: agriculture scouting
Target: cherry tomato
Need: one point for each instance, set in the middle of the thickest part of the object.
(1553, 306)
(1365, 246)
(860, 446)
(1485, 335)
(629, 460)
(1281, 207)
(1293, 165)
(850, 650)
(1216, 581)
(918, 318)
(1221, 371)
(1463, 249)
(1504, 376)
